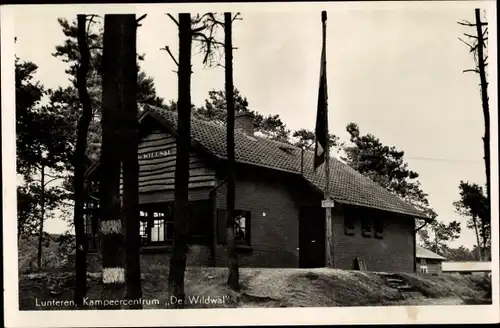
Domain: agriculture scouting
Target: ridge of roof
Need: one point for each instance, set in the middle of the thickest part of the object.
(424, 253)
(347, 185)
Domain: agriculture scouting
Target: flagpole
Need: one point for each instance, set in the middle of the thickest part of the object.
(328, 206)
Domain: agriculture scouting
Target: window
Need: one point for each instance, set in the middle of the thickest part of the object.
(379, 228)
(241, 228)
(158, 229)
(350, 215)
(366, 227)
(88, 224)
(423, 269)
(349, 224)
(156, 224)
(90, 221)
(241, 233)
(143, 231)
(423, 262)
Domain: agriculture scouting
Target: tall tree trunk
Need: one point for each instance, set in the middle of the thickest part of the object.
(484, 99)
(42, 216)
(128, 65)
(233, 276)
(181, 210)
(479, 252)
(484, 240)
(79, 163)
(113, 243)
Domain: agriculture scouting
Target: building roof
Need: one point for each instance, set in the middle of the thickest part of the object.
(423, 253)
(466, 266)
(347, 186)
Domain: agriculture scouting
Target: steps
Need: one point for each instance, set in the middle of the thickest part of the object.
(394, 281)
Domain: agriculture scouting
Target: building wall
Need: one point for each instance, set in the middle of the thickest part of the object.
(393, 253)
(274, 202)
(157, 157)
(274, 210)
(433, 266)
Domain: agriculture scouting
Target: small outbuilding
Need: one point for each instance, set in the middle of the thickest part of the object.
(467, 267)
(428, 261)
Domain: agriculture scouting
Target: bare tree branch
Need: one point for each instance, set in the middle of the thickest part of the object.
(173, 18)
(214, 20)
(469, 45)
(139, 19)
(56, 176)
(199, 29)
(206, 39)
(474, 70)
(167, 49)
(91, 21)
(236, 17)
(472, 49)
(51, 180)
(467, 23)
(470, 36)
(199, 18)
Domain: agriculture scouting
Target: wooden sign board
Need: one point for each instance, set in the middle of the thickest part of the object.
(327, 203)
(154, 154)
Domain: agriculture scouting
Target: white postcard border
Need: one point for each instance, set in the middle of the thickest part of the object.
(192, 317)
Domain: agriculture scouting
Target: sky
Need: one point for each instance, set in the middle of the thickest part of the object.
(396, 72)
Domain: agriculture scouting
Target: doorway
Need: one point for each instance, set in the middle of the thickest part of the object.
(312, 237)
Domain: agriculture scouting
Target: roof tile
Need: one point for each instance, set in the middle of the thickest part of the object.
(346, 185)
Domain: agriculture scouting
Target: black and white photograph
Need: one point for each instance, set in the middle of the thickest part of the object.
(297, 163)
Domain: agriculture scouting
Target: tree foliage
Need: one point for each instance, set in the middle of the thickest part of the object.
(41, 149)
(306, 138)
(474, 205)
(28, 206)
(69, 53)
(41, 130)
(460, 254)
(271, 126)
(215, 109)
(386, 166)
(438, 235)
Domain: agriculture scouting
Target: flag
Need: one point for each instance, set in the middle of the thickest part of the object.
(321, 131)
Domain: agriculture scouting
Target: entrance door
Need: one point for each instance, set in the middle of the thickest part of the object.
(312, 237)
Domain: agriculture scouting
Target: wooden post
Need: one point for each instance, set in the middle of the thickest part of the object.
(328, 203)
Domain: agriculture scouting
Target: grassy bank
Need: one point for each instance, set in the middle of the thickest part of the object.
(270, 288)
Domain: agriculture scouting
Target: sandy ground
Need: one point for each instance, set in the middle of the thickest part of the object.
(273, 288)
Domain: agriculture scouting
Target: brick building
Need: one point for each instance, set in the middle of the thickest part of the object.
(278, 203)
